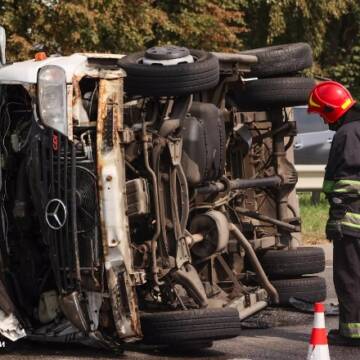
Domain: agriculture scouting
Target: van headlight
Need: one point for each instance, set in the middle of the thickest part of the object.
(52, 97)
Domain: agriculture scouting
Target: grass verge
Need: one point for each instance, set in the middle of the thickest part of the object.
(314, 217)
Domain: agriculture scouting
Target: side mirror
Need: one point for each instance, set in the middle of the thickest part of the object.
(2, 46)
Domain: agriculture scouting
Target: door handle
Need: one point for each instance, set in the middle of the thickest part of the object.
(298, 146)
(329, 141)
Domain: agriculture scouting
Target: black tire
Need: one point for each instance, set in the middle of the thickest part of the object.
(265, 94)
(288, 263)
(181, 79)
(194, 326)
(281, 59)
(310, 289)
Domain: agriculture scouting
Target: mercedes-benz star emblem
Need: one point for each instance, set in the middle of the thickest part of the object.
(55, 214)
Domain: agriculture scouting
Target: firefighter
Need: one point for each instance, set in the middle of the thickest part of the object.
(341, 185)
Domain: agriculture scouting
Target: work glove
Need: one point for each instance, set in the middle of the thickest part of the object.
(333, 230)
(338, 209)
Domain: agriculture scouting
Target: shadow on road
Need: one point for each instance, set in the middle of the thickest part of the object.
(51, 350)
(25, 348)
(179, 351)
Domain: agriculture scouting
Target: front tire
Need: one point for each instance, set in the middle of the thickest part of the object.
(190, 326)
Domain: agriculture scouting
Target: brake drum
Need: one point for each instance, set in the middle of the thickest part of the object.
(214, 227)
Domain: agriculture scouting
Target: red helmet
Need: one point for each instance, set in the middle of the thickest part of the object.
(331, 100)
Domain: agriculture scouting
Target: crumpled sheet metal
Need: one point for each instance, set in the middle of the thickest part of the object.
(10, 327)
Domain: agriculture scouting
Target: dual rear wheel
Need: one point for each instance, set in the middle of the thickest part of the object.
(289, 272)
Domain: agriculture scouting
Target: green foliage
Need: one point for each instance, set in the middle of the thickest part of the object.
(347, 70)
(67, 26)
(332, 27)
(210, 25)
(314, 217)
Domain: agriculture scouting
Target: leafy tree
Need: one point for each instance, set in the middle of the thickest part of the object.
(67, 26)
(206, 24)
(343, 40)
(27, 23)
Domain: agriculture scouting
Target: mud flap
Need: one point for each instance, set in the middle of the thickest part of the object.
(114, 222)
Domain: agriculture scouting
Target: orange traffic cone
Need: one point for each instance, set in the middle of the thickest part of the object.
(318, 348)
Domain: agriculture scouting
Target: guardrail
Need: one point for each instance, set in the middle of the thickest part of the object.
(310, 177)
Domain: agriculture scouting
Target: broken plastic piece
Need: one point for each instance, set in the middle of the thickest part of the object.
(10, 327)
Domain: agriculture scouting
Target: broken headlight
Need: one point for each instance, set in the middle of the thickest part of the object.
(52, 97)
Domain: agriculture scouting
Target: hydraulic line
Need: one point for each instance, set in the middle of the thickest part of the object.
(174, 204)
(261, 217)
(157, 211)
(255, 263)
(216, 187)
(184, 197)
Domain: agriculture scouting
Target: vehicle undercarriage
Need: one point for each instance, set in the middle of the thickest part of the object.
(152, 206)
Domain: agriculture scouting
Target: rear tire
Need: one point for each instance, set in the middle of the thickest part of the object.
(281, 59)
(310, 289)
(265, 94)
(288, 263)
(190, 326)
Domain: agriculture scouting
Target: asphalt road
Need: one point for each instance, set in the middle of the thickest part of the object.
(287, 340)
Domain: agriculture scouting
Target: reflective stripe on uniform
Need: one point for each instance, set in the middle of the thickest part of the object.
(339, 189)
(350, 330)
(346, 186)
(351, 220)
(328, 186)
(332, 224)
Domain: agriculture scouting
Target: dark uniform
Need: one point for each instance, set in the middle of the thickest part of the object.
(342, 188)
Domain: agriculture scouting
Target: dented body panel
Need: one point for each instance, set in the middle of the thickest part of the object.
(113, 219)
